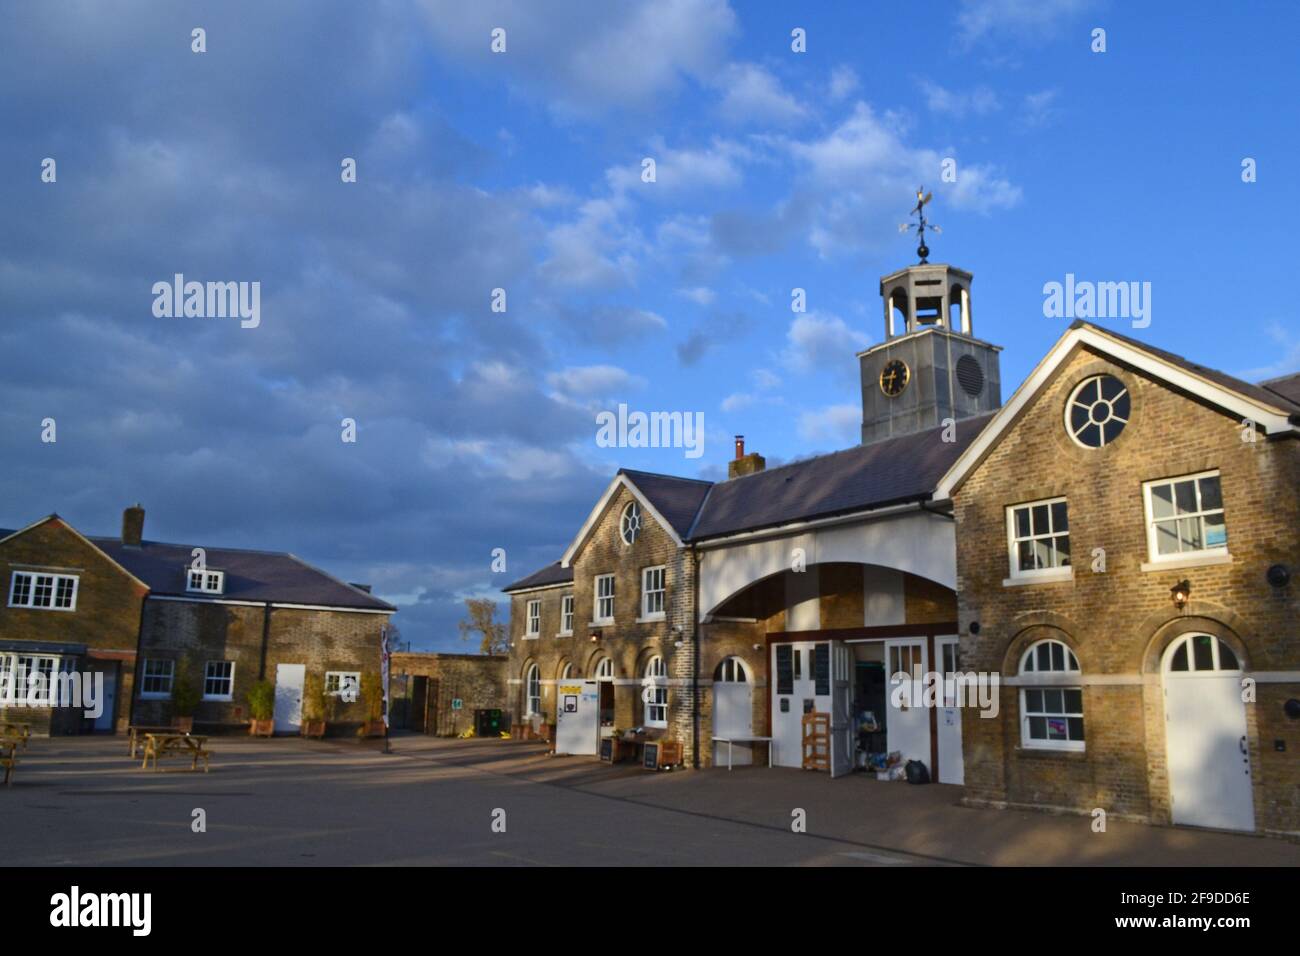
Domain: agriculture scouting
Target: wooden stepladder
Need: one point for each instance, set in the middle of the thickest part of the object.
(816, 741)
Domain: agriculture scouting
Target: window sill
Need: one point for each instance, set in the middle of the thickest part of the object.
(1076, 752)
(530, 637)
(1188, 561)
(219, 700)
(155, 696)
(564, 634)
(652, 619)
(609, 623)
(1056, 577)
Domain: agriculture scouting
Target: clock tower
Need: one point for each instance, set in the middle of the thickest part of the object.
(930, 366)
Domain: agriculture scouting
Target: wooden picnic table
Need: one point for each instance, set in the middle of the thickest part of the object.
(9, 756)
(20, 732)
(138, 731)
(158, 745)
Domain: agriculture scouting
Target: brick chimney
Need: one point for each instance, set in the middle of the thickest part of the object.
(744, 464)
(133, 526)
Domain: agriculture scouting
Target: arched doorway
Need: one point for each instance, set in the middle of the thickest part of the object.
(1205, 735)
(733, 710)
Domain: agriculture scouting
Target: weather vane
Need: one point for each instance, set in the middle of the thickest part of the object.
(921, 224)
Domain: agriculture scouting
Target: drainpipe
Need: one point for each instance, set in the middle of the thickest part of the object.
(266, 638)
(695, 663)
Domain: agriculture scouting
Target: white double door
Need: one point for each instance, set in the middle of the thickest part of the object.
(812, 677)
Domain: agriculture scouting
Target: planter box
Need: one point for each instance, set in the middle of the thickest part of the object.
(313, 728)
(183, 724)
(261, 728)
(371, 728)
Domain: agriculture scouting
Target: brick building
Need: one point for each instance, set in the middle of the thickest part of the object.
(1126, 530)
(961, 537)
(133, 609)
(444, 694)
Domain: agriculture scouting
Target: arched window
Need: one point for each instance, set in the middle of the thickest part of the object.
(655, 694)
(1200, 654)
(566, 672)
(1051, 700)
(533, 691)
(630, 522)
(605, 669)
(731, 670)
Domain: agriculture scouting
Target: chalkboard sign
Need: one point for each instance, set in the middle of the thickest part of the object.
(651, 759)
(784, 669)
(607, 749)
(822, 669)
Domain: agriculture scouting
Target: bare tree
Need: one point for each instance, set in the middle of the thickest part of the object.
(481, 620)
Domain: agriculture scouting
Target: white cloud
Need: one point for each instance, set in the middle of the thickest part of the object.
(844, 82)
(818, 340)
(751, 94)
(979, 101)
(835, 423)
(700, 295)
(593, 381)
(1039, 108)
(1022, 18)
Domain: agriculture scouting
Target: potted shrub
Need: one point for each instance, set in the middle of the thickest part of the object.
(372, 698)
(313, 706)
(185, 695)
(261, 708)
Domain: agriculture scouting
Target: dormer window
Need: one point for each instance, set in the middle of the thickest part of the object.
(205, 581)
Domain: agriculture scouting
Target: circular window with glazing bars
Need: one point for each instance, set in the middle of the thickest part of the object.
(630, 523)
(1097, 411)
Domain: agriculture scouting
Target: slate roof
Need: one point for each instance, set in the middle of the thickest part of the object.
(274, 576)
(1265, 392)
(551, 574)
(1288, 386)
(677, 499)
(891, 471)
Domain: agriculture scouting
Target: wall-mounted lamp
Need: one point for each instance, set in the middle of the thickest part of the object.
(1279, 575)
(974, 627)
(1180, 592)
(758, 647)
(595, 637)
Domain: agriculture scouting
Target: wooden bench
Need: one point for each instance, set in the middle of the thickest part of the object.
(9, 756)
(20, 732)
(158, 746)
(137, 733)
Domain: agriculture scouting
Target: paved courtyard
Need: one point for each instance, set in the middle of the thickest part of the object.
(82, 801)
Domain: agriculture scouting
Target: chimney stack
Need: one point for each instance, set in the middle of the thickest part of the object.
(744, 464)
(133, 526)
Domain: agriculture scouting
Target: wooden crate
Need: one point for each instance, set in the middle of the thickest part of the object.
(816, 741)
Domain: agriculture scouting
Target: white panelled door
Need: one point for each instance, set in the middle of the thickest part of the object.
(907, 728)
(289, 679)
(733, 711)
(1205, 735)
(842, 743)
(951, 766)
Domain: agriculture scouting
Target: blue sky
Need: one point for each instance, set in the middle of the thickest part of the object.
(521, 170)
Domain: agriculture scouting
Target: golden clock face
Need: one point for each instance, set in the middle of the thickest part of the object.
(894, 377)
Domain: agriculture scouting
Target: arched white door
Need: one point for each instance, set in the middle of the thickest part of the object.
(733, 710)
(1205, 734)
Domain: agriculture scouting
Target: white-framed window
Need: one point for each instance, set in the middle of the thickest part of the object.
(605, 599)
(204, 581)
(566, 614)
(533, 704)
(1051, 716)
(339, 682)
(652, 592)
(566, 673)
(656, 693)
(534, 626)
(1185, 516)
(1200, 654)
(1097, 411)
(50, 592)
(16, 671)
(1038, 538)
(219, 680)
(605, 669)
(731, 670)
(629, 523)
(156, 679)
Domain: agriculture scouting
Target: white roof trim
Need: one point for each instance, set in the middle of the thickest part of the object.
(1272, 419)
(620, 481)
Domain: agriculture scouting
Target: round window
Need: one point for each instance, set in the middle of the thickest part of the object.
(1097, 411)
(630, 523)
